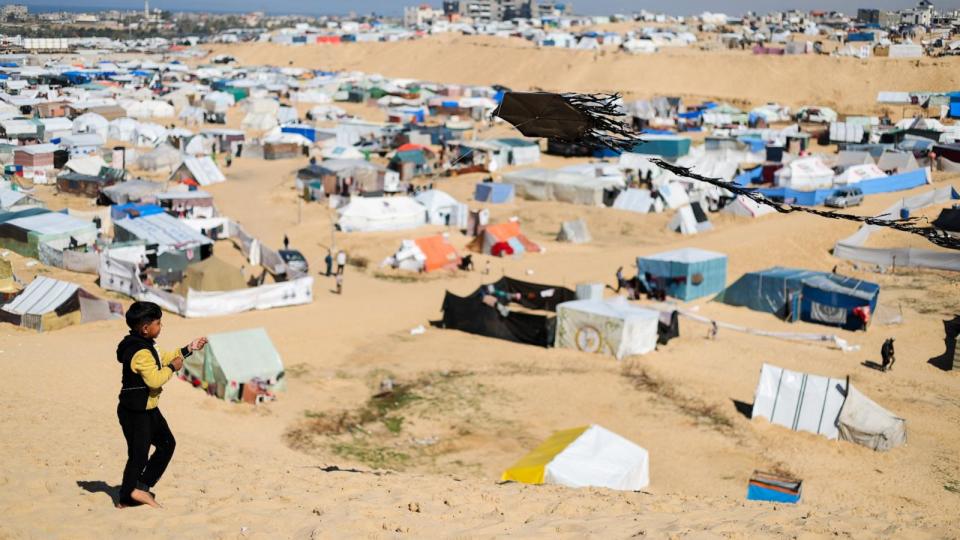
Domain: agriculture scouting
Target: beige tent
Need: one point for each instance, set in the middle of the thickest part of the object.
(212, 274)
(8, 282)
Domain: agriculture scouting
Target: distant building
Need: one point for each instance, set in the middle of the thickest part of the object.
(14, 11)
(868, 16)
(504, 10)
(421, 15)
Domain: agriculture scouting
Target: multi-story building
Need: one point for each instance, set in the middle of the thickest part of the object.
(868, 16)
(14, 11)
(504, 10)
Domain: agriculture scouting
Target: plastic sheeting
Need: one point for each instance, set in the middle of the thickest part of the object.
(799, 401)
(864, 422)
(853, 247)
(551, 185)
(381, 214)
(687, 273)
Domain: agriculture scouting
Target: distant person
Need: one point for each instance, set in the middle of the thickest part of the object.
(339, 281)
(887, 353)
(329, 262)
(145, 371)
(229, 160)
(712, 332)
(341, 261)
(286, 242)
(466, 263)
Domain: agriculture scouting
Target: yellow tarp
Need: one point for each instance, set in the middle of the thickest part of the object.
(7, 284)
(531, 468)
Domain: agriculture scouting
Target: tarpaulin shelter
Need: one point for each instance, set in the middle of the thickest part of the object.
(612, 327)
(795, 294)
(425, 255)
(555, 185)
(504, 239)
(23, 232)
(746, 207)
(486, 311)
(635, 200)
(443, 209)
(948, 220)
(574, 231)
(201, 169)
(212, 274)
(589, 456)
(232, 361)
(168, 233)
(50, 304)
(493, 192)
(830, 407)
(687, 273)
(131, 191)
(381, 214)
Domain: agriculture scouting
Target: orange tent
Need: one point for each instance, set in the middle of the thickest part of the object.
(440, 254)
(496, 238)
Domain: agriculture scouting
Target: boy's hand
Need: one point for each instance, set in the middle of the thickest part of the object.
(176, 364)
(198, 343)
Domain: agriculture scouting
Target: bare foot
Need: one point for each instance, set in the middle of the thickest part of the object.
(144, 497)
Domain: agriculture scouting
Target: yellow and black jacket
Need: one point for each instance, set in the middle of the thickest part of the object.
(145, 371)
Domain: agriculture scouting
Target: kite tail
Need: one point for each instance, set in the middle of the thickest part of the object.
(604, 114)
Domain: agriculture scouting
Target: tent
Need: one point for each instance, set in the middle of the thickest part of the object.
(167, 232)
(611, 327)
(381, 214)
(635, 200)
(587, 456)
(687, 273)
(425, 255)
(795, 294)
(91, 123)
(493, 192)
(50, 304)
(201, 169)
(896, 162)
(746, 207)
(491, 311)
(564, 186)
(690, 219)
(504, 239)
(804, 173)
(212, 274)
(25, 231)
(574, 231)
(131, 191)
(830, 407)
(163, 157)
(442, 209)
(232, 361)
(9, 286)
(858, 173)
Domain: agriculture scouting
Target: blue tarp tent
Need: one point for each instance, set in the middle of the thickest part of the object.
(307, 131)
(753, 176)
(493, 192)
(134, 210)
(896, 182)
(687, 273)
(668, 146)
(806, 295)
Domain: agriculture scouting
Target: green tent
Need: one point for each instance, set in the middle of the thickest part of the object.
(232, 361)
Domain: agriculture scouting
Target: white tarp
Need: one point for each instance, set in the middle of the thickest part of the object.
(574, 231)
(805, 173)
(443, 209)
(553, 185)
(634, 200)
(746, 207)
(799, 401)
(203, 170)
(611, 327)
(853, 247)
(859, 173)
(864, 422)
(381, 214)
(41, 296)
(600, 458)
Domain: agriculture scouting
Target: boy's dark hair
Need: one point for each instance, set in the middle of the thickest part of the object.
(142, 313)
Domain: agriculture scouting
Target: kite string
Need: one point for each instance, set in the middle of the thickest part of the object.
(935, 236)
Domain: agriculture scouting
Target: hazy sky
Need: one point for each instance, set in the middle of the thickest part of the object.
(396, 6)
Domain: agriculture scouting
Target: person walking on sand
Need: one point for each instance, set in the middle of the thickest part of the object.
(887, 354)
(339, 281)
(145, 371)
(341, 261)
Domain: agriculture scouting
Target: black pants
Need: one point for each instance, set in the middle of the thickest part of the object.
(142, 429)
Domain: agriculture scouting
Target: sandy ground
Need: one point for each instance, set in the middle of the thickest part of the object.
(738, 77)
(429, 467)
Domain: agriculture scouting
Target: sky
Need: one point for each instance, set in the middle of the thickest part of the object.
(395, 7)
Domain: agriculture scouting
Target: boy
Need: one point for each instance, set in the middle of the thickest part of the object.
(145, 370)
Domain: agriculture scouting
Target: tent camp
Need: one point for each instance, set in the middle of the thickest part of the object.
(425, 255)
(501, 239)
(574, 231)
(237, 366)
(612, 327)
(794, 294)
(587, 456)
(492, 311)
(830, 407)
(687, 273)
(381, 214)
(50, 304)
(201, 169)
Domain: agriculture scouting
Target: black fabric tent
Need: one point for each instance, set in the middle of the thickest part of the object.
(471, 314)
(948, 220)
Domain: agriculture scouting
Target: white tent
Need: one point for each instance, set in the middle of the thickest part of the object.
(261, 114)
(123, 129)
(805, 173)
(442, 209)
(160, 158)
(218, 102)
(584, 457)
(341, 152)
(381, 214)
(88, 165)
(91, 123)
(574, 231)
(552, 185)
(746, 207)
(201, 169)
(611, 327)
(825, 406)
(634, 200)
(858, 173)
(147, 134)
